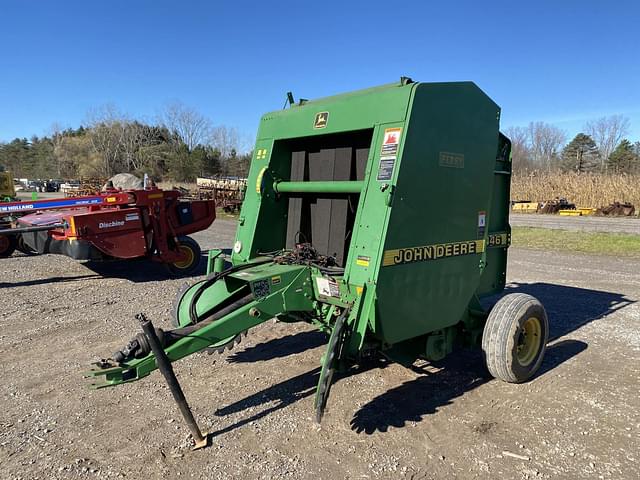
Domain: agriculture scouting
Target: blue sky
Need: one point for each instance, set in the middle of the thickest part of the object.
(562, 62)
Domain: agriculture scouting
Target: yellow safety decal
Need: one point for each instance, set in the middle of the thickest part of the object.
(431, 252)
(111, 199)
(261, 154)
(259, 180)
(359, 290)
(362, 261)
(156, 195)
(276, 280)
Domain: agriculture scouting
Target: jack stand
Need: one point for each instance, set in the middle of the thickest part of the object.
(164, 365)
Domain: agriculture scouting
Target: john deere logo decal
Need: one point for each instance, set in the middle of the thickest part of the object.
(321, 120)
(431, 252)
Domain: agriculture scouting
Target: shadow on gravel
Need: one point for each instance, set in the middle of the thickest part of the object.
(280, 347)
(569, 308)
(558, 353)
(139, 270)
(461, 372)
(44, 281)
(284, 394)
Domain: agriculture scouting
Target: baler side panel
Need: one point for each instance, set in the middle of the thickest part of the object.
(372, 217)
(495, 272)
(443, 189)
(262, 223)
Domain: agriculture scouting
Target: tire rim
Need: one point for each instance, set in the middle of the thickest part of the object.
(529, 341)
(182, 264)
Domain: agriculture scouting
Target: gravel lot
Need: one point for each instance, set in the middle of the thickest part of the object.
(580, 418)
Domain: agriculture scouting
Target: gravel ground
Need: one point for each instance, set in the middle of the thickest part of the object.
(579, 418)
(586, 223)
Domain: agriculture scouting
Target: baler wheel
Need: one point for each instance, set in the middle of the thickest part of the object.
(515, 337)
(191, 249)
(7, 245)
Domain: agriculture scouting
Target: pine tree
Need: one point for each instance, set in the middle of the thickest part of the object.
(580, 154)
(624, 158)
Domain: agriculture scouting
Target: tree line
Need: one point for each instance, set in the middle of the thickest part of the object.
(180, 145)
(602, 147)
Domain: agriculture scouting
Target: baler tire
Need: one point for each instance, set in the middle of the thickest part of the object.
(8, 245)
(515, 337)
(191, 266)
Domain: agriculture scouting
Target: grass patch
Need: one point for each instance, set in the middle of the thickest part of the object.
(615, 244)
(220, 213)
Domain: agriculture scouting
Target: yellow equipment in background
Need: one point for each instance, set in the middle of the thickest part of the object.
(578, 212)
(525, 207)
(6, 186)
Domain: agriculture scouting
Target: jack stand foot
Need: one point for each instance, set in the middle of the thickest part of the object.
(202, 443)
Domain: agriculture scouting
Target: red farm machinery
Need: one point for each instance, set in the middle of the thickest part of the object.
(116, 224)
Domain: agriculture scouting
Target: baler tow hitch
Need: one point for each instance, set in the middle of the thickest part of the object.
(212, 313)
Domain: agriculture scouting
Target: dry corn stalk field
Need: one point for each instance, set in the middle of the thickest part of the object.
(585, 189)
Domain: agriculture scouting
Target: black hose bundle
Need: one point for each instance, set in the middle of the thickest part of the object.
(306, 254)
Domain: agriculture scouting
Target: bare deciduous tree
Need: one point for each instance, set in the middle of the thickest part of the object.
(57, 137)
(107, 132)
(135, 135)
(225, 140)
(545, 141)
(519, 147)
(607, 132)
(189, 124)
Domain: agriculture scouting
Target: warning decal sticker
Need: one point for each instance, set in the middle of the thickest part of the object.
(390, 142)
(385, 169)
(482, 223)
(363, 261)
(327, 287)
(388, 153)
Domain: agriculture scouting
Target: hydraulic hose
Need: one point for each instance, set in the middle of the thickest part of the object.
(193, 314)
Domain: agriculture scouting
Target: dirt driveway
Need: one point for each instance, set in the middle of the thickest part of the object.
(580, 418)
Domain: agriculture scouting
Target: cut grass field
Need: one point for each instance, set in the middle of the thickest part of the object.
(615, 244)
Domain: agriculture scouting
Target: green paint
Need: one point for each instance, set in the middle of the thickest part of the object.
(318, 187)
